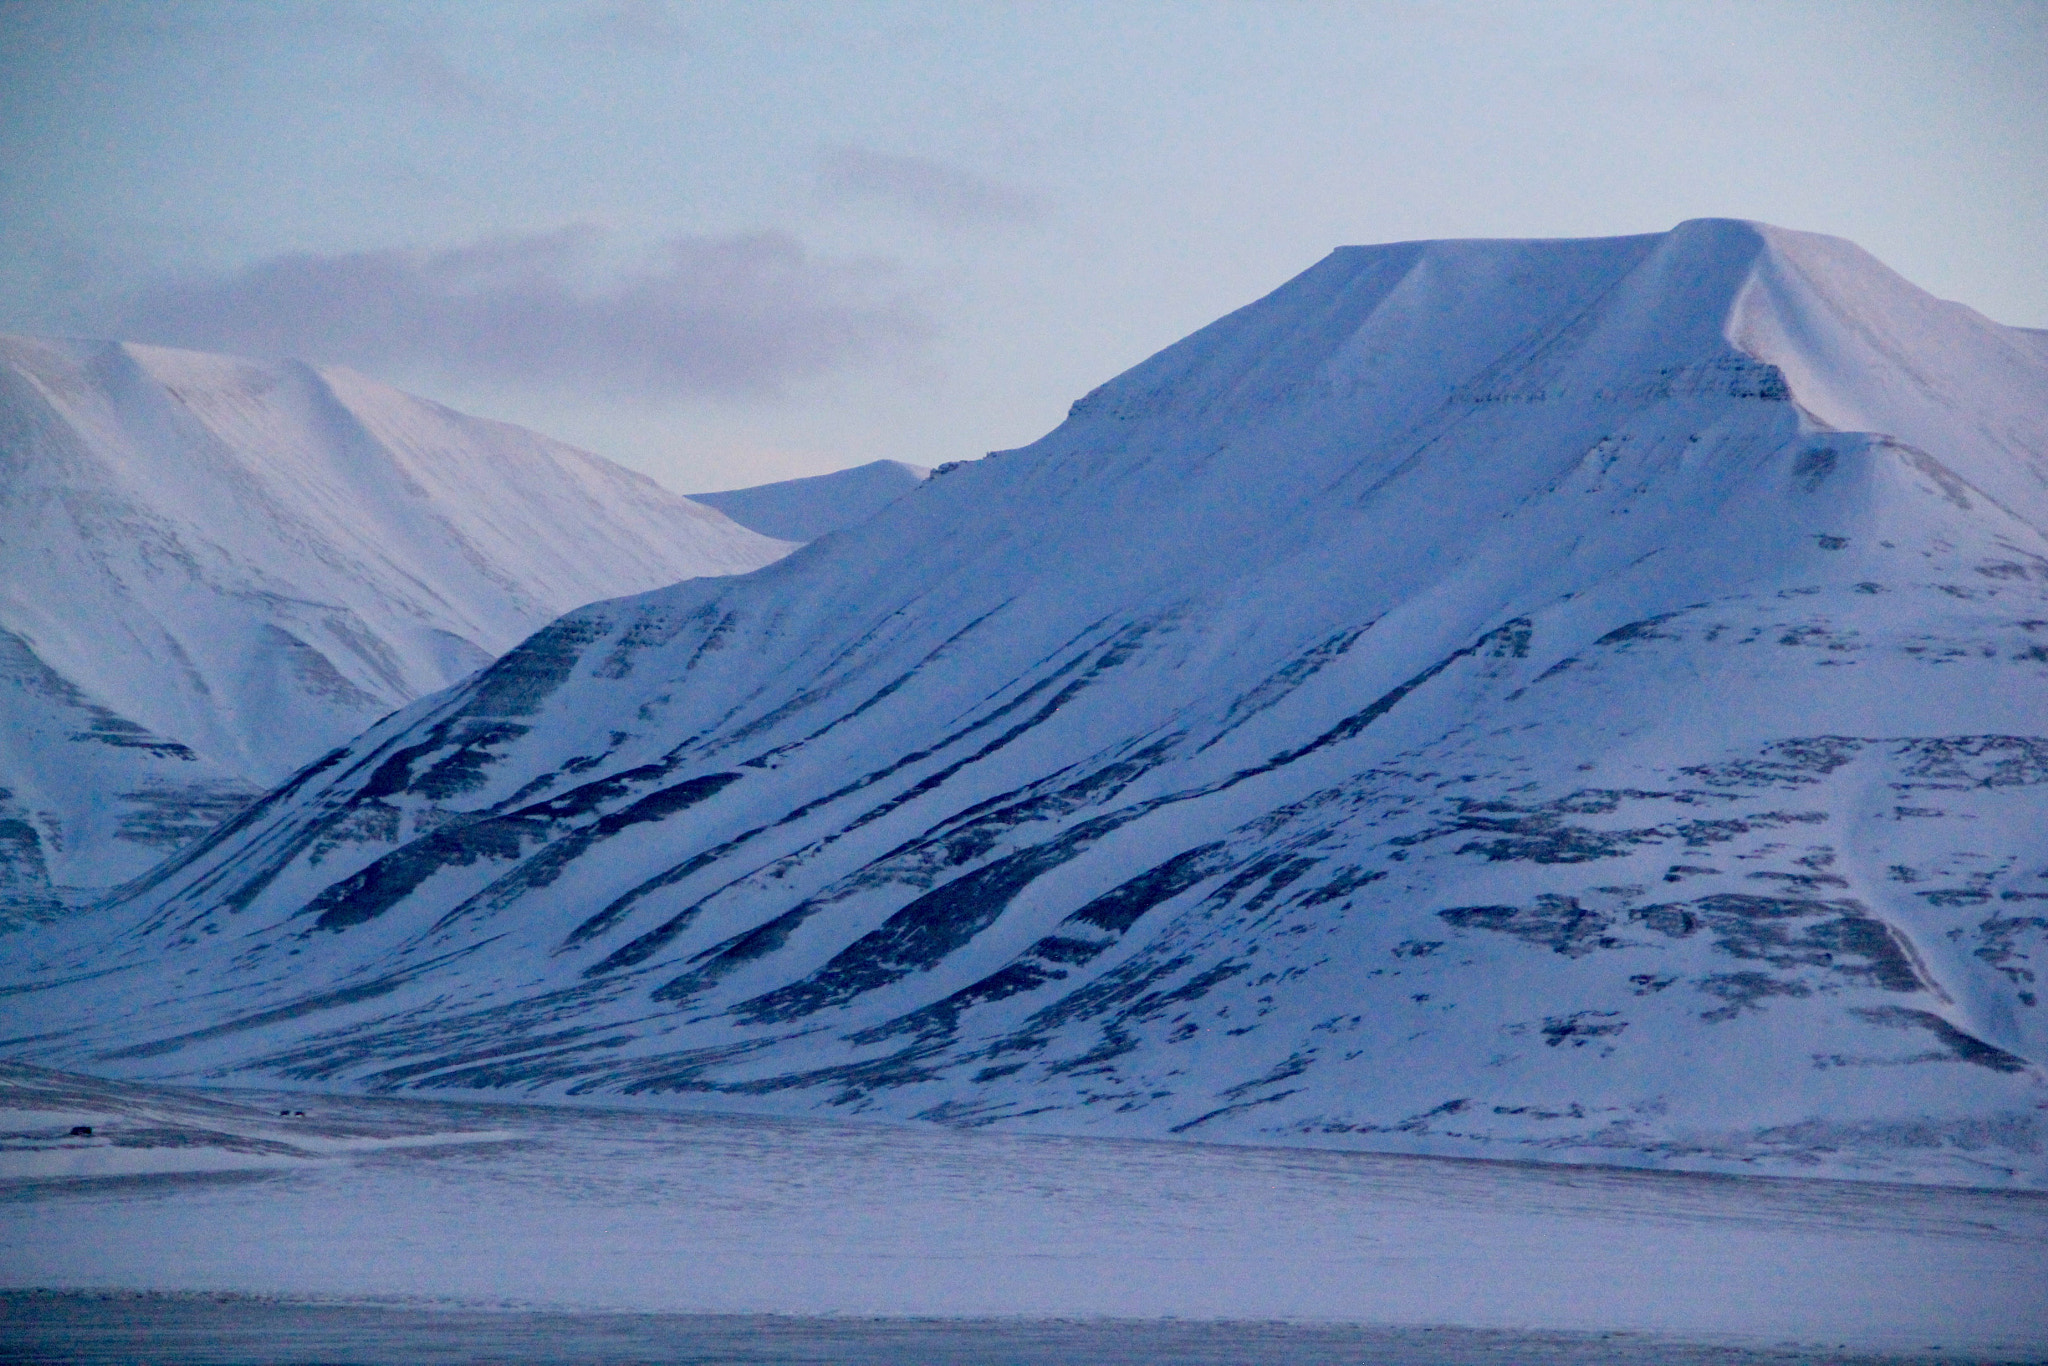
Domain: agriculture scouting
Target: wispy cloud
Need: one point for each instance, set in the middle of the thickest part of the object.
(727, 316)
(949, 195)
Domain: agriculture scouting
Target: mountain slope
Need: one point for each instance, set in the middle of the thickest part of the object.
(805, 509)
(213, 569)
(1566, 698)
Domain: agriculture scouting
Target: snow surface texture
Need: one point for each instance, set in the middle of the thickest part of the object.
(111, 1328)
(213, 570)
(805, 509)
(1578, 700)
(598, 1209)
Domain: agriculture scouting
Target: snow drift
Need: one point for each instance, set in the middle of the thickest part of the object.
(1577, 699)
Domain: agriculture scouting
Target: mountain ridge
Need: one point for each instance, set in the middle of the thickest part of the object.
(805, 509)
(216, 568)
(1485, 698)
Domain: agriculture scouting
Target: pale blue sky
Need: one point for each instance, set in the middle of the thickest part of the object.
(730, 243)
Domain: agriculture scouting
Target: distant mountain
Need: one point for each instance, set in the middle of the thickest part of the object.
(805, 509)
(213, 570)
(1568, 699)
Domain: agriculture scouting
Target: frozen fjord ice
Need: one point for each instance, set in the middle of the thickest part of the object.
(99, 1328)
(1577, 700)
(590, 1209)
(213, 570)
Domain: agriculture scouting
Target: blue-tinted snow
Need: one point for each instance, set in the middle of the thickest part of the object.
(550, 1207)
(805, 509)
(213, 570)
(1567, 700)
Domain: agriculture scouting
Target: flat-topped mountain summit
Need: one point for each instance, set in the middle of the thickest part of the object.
(1565, 699)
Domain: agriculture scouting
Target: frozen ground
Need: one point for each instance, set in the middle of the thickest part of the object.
(445, 1209)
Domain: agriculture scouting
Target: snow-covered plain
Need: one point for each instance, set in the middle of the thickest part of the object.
(1574, 700)
(588, 1209)
(213, 570)
(112, 1329)
(805, 509)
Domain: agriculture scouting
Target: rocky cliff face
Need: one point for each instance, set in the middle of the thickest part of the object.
(1572, 699)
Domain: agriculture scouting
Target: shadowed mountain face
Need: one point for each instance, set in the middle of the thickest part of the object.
(1578, 699)
(805, 509)
(212, 570)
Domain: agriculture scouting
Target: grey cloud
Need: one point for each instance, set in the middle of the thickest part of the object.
(727, 316)
(945, 194)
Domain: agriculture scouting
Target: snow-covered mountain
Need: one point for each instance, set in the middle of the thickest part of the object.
(805, 509)
(212, 570)
(1580, 699)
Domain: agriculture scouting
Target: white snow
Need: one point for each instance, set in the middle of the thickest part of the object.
(609, 1210)
(805, 509)
(1569, 700)
(212, 570)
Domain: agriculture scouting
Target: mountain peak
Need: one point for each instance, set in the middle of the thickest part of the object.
(213, 568)
(1574, 700)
